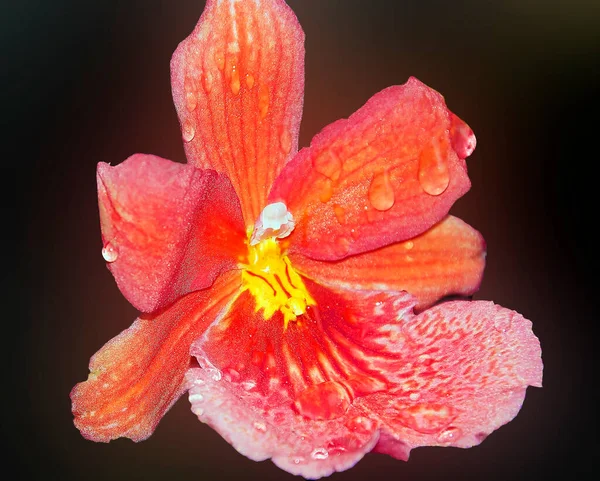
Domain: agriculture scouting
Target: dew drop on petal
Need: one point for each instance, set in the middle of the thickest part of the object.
(381, 192)
(285, 139)
(320, 453)
(250, 80)
(220, 60)
(110, 253)
(450, 434)
(425, 418)
(324, 401)
(359, 424)
(188, 130)
(340, 213)
(207, 82)
(328, 164)
(196, 398)
(262, 427)
(190, 96)
(235, 80)
(326, 191)
(434, 175)
(248, 385)
(342, 246)
(263, 101)
(409, 245)
(463, 138)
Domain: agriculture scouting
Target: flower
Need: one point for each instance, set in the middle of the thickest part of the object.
(294, 295)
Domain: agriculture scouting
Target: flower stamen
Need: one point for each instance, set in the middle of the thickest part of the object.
(273, 282)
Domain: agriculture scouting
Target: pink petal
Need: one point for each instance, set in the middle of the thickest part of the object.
(358, 369)
(467, 368)
(168, 229)
(385, 175)
(238, 82)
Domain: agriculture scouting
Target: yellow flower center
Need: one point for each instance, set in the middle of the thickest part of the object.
(275, 285)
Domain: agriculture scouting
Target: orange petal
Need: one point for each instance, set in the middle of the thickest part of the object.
(168, 228)
(388, 173)
(137, 376)
(447, 259)
(238, 82)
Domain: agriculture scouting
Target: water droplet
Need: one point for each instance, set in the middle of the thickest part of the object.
(262, 427)
(190, 96)
(426, 418)
(207, 82)
(188, 131)
(434, 175)
(285, 140)
(340, 213)
(342, 246)
(263, 101)
(249, 80)
(326, 191)
(324, 401)
(359, 424)
(209, 367)
(298, 460)
(463, 138)
(220, 60)
(502, 321)
(196, 398)
(235, 80)
(381, 192)
(320, 453)
(327, 163)
(450, 434)
(249, 385)
(110, 253)
(409, 245)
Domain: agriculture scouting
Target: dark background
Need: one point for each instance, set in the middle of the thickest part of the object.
(89, 81)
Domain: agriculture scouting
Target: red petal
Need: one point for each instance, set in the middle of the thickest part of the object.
(255, 378)
(466, 368)
(357, 369)
(447, 259)
(386, 174)
(168, 228)
(137, 376)
(238, 82)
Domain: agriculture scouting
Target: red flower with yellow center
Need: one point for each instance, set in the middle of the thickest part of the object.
(294, 295)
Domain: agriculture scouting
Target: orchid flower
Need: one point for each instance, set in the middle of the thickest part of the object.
(295, 296)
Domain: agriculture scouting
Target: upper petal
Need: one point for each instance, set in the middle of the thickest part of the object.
(136, 377)
(386, 174)
(447, 259)
(238, 82)
(168, 228)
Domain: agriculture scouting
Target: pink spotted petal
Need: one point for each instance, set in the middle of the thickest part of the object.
(386, 174)
(360, 371)
(168, 229)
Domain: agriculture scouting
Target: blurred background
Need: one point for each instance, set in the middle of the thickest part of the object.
(89, 81)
